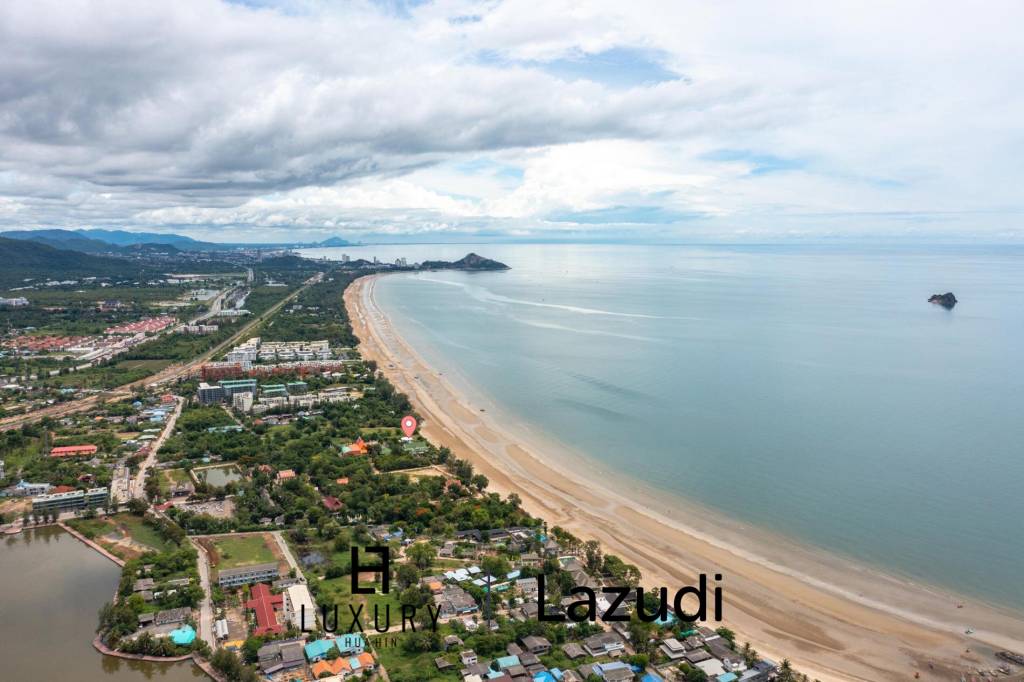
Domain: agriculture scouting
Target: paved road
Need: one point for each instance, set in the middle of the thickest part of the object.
(286, 550)
(169, 374)
(206, 606)
(139, 485)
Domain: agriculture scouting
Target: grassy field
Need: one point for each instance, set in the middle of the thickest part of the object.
(243, 550)
(405, 666)
(179, 476)
(108, 376)
(124, 535)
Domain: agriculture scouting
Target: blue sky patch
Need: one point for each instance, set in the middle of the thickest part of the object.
(647, 215)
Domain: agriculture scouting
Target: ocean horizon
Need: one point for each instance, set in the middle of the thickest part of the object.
(810, 390)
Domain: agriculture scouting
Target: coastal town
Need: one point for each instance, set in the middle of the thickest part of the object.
(243, 484)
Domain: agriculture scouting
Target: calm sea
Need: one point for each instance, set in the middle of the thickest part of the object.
(809, 390)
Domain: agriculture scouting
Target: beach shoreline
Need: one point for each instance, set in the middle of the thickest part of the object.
(834, 620)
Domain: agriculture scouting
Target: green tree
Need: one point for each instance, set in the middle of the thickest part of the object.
(421, 555)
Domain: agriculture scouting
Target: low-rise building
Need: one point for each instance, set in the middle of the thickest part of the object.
(70, 501)
(604, 644)
(244, 575)
(73, 450)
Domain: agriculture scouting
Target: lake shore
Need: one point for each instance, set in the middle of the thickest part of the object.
(835, 620)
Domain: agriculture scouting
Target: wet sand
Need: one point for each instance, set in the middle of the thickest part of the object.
(833, 619)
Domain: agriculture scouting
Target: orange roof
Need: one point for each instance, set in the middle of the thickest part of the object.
(365, 659)
(335, 667)
(285, 475)
(71, 450)
(342, 481)
(359, 446)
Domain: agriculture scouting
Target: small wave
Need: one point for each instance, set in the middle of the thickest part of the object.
(482, 294)
(589, 332)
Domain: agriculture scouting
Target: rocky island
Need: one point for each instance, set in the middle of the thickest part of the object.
(946, 300)
(469, 262)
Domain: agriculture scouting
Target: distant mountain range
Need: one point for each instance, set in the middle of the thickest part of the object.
(113, 241)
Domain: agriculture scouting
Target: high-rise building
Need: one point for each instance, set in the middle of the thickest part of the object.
(242, 401)
(210, 395)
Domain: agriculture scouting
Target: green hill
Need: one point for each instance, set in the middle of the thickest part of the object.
(24, 259)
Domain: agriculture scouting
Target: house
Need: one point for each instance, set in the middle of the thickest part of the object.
(338, 666)
(531, 662)
(442, 663)
(468, 657)
(350, 644)
(572, 650)
(536, 645)
(454, 600)
(280, 656)
(143, 584)
(170, 616)
(513, 649)
(712, 667)
(319, 649)
(331, 503)
(673, 649)
(506, 662)
(516, 671)
(285, 475)
(604, 644)
(358, 448)
(530, 560)
(528, 586)
(452, 642)
(616, 671)
(762, 671)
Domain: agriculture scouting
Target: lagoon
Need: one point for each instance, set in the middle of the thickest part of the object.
(51, 589)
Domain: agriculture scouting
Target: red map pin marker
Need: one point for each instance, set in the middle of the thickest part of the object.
(409, 425)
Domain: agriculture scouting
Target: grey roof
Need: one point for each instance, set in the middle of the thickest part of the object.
(245, 570)
(536, 642)
(573, 650)
(172, 615)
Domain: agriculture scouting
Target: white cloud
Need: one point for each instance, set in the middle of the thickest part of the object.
(453, 116)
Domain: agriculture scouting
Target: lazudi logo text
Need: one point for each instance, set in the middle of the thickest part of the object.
(650, 606)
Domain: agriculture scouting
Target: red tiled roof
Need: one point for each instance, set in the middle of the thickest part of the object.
(69, 450)
(264, 604)
(332, 503)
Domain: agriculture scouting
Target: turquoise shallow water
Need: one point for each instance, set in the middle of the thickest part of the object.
(808, 390)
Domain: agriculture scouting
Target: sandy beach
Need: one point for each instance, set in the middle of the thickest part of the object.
(833, 619)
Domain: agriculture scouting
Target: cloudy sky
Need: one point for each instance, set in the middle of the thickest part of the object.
(496, 119)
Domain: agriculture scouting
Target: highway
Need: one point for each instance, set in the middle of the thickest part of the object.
(171, 373)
